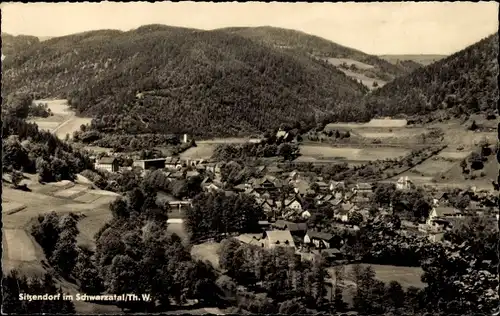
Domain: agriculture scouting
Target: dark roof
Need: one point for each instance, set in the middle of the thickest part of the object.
(155, 159)
(107, 160)
(319, 235)
(290, 225)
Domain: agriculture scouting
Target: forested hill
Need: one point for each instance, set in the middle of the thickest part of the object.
(322, 48)
(17, 44)
(174, 80)
(465, 82)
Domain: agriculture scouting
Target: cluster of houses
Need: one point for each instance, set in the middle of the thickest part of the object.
(287, 199)
(443, 216)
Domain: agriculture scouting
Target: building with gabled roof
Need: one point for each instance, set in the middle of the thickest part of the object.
(278, 238)
(109, 164)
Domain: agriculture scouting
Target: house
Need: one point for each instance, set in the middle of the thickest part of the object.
(251, 239)
(267, 183)
(440, 212)
(214, 168)
(335, 202)
(322, 186)
(293, 205)
(107, 163)
(147, 164)
(211, 187)
(278, 238)
(404, 183)
(268, 206)
(173, 163)
(294, 228)
(343, 213)
(337, 186)
(301, 187)
(274, 170)
(363, 188)
(320, 240)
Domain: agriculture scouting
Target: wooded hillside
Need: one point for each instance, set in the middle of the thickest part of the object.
(319, 47)
(463, 83)
(160, 79)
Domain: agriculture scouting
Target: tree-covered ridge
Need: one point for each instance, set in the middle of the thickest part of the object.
(160, 79)
(465, 82)
(317, 46)
(12, 45)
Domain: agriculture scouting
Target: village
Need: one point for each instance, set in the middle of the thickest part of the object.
(292, 200)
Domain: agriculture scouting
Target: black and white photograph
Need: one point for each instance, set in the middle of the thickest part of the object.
(250, 158)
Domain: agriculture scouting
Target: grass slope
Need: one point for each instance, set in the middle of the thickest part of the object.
(208, 83)
(422, 59)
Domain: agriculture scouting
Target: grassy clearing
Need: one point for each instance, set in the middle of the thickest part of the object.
(11, 207)
(406, 276)
(458, 155)
(207, 251)
(329, 152)
(18, 244)
(63, 121)
(201, 151)
(349, 62)
(70, 126)
(68, 193)
(432, 167)
(321, 152)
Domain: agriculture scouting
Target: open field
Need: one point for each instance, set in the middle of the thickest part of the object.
(67, 193)
(406, 276)
(11, 207)
(374, 123)
(63, 121)
(421, 59)
(457, 155)
(205, 148)
(207, 251)
(351, 154)
(349, 62)
(367, 81)
(71, 125)
(18, 245)
(201, 151)
(433, 166)
(391, 133)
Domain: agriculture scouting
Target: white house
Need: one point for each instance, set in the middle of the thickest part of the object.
(404, 183)
(293, 205)
(279, 238)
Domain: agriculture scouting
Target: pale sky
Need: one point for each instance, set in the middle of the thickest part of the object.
(375, 28)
